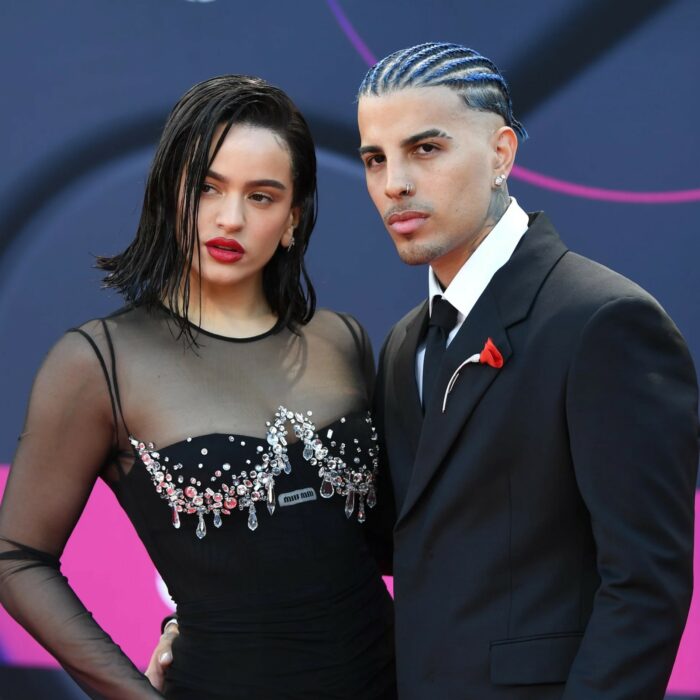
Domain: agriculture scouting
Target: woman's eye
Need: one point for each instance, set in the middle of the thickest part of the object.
(207, 188)
(261, 197)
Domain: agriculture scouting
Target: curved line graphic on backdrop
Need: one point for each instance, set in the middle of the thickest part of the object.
(109, 142)
(530, 176)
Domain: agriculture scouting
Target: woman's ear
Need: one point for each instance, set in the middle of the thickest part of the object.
(288, 236)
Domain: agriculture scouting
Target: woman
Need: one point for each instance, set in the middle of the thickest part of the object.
(229, 419)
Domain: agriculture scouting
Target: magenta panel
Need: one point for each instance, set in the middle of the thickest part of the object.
(109, 569)
(686, 673)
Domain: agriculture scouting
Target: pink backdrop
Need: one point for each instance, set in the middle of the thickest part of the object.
(109, 569)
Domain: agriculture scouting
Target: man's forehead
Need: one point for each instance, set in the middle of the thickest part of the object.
(410, 102)
(401, 114)
(438, 97)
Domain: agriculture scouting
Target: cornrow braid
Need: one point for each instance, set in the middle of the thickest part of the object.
(475, 77)
(389, 74)
(425, 67)
(426, 54)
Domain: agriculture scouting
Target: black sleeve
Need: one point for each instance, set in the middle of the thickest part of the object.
(384, 517)
(67, 438)
(379, 525)
(632, 418)
(365, 354)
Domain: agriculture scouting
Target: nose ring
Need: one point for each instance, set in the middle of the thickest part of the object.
(408, 188)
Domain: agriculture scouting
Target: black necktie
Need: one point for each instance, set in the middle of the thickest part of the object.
(442, 320)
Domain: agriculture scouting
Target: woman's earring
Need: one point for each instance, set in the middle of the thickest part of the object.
(291, 244)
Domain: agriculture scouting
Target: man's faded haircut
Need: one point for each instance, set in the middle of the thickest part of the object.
(467, 72)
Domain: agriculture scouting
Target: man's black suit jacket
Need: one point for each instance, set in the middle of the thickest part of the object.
(543, 524)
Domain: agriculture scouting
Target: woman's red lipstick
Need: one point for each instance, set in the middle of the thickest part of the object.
(225, 250)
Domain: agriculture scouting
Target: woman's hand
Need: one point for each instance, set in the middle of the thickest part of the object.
(162, 655)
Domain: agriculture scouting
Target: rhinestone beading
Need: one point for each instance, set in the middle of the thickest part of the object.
(242, 491)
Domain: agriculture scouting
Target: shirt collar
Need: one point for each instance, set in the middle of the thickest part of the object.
(476, 273)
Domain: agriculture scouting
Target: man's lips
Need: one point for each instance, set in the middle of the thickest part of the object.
(225, 250)
(405, 222)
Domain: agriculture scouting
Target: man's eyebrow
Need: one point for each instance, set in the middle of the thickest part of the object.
(411, 140)
(251, 183)
(369, 149)
(427, 134)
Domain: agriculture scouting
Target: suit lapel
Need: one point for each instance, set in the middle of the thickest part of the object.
(507, 300)
(440, 429)
(405, 387)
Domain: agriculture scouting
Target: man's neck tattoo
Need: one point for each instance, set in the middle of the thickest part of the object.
(497, 206)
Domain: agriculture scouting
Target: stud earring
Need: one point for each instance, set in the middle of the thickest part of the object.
(499, 180)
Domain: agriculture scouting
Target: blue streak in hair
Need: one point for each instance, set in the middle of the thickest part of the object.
(394, 64)
(427, 66)
(481, 77)
(420, 71)
(459, 63)
(417, 57)
(368, 83)
(415, 66)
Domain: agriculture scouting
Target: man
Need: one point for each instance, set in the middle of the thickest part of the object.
(539, 419)
(539, 415)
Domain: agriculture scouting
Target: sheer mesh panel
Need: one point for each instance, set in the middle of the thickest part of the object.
(129, 374)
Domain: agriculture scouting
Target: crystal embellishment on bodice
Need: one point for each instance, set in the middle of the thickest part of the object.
(356, 481)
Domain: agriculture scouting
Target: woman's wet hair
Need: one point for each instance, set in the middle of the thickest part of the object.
(155, 268)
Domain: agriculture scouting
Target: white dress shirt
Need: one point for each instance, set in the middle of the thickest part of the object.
(474, 276)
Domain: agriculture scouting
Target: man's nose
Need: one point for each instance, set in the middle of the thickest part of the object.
(398, 184)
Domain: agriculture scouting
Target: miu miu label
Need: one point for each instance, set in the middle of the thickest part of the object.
(294, 498)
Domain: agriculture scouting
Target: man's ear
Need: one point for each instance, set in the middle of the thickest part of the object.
(505, 146)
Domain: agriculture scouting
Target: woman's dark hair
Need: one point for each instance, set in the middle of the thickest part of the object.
(155, 267)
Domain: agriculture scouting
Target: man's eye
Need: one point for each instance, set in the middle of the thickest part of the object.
(373, 161)
(426, 148)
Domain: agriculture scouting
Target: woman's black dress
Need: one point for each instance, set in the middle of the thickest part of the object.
(245, 466)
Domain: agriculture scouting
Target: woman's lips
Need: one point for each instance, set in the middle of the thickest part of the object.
(225, 250)
(406, 222)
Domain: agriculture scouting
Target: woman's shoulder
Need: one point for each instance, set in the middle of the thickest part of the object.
(337, 320)
(342, 331)
(82, 344)
(119, 320)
